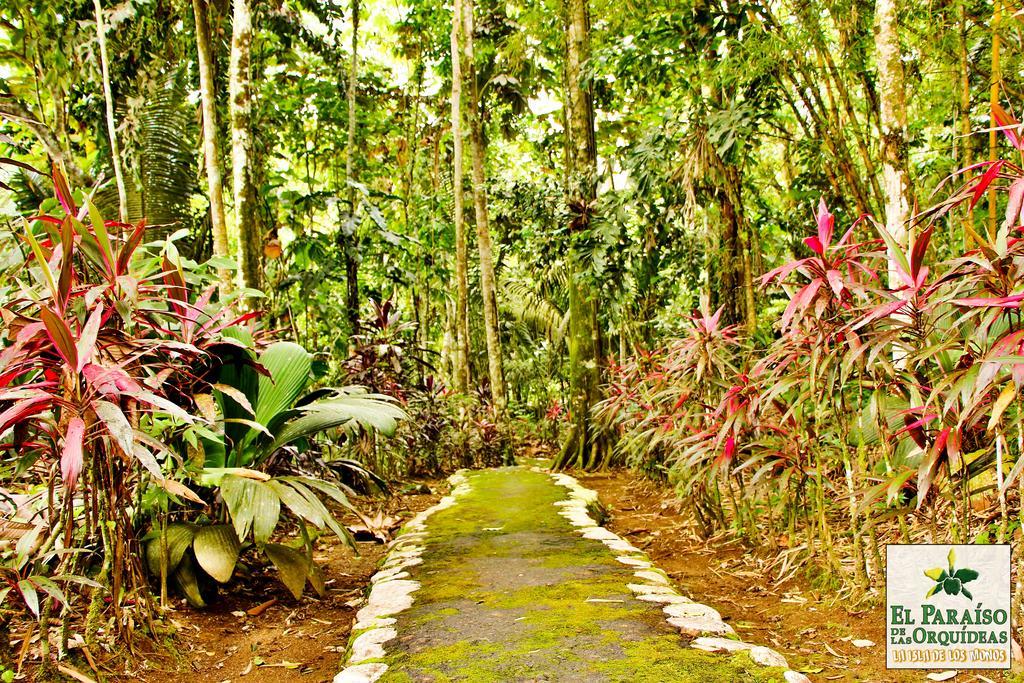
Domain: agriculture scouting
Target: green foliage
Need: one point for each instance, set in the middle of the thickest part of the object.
(269, 392)
(263, 407)
(826, 397)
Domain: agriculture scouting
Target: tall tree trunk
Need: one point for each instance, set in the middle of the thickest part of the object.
(994, 85)
(350, 233)
(745, 256)
(966, 146)
(240, 109)
(583, 447)
(461, 258)
(895, 173)
(749, 298)
(421, 284)
(729, 283)
(211, 143)
(737, 269)
(488, 282)
(115, 148)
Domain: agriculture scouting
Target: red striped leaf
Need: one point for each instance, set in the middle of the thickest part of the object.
(986, 180)
(22, 409)
(87, 342)
(71, 458)
(60, 334)
(1009, 125)
(1012, 301)
(63, 191)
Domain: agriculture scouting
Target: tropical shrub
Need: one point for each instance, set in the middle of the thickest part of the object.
(119, 384)
(445, 431)
(257, 409)
(94, 369)
(890, 393)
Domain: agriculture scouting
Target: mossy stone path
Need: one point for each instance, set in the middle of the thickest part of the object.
(510, 591)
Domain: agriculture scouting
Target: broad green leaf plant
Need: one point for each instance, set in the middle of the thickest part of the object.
(260, 406)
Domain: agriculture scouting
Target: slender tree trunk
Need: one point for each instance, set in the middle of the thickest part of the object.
(583, 447)
(488, 282)
(350, 234)
(461, 257)
(737, 271)
(860, 134)
(895, 173)
(966, 146)
(801, 93)
(211, 143)
(240, 107)
(749, 300)
(449, 353)
(729, 283)
(994, 85)
(412, 143)
(421, 301)
(115, 149)
(827, 65)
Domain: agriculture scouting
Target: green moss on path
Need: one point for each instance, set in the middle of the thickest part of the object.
(510, 592)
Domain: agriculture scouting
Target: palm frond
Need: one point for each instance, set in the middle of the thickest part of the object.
(525, 305)
(164, 141)
(348, 409)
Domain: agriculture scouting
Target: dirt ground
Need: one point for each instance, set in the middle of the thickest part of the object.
(289, 640)
(815, 631)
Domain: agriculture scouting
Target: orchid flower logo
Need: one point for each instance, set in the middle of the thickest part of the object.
(951, 581)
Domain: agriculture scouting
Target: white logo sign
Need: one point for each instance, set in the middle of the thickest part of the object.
(947, 607)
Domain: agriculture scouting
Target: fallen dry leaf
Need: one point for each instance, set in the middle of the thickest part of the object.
(261, 608)
(74, 673)
(833, 652)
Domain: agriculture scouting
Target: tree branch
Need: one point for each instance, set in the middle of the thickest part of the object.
(15, 110)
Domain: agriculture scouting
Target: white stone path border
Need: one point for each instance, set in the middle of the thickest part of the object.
(392, 589)
(702, 623)
(391, 593)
